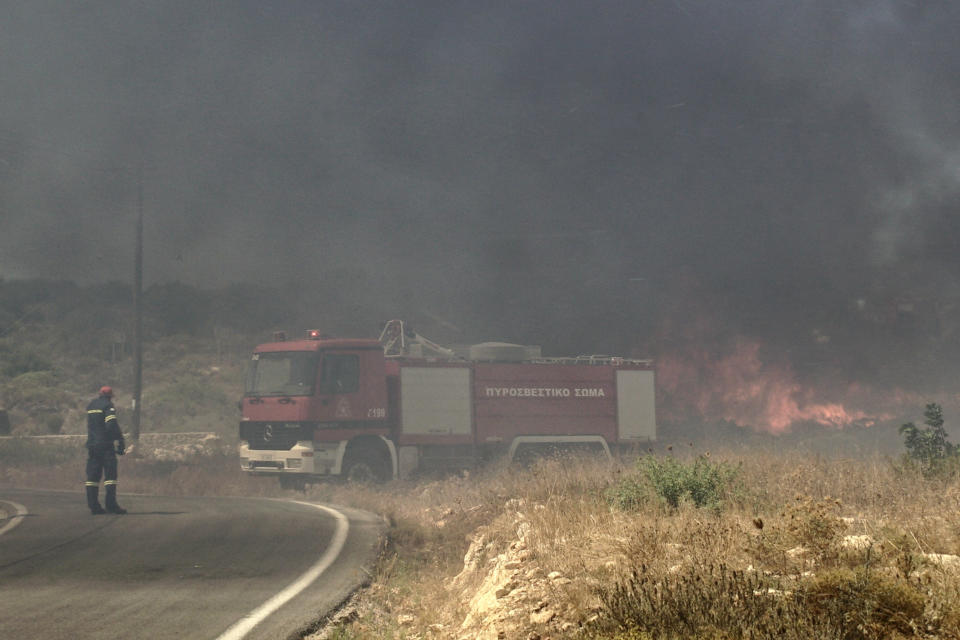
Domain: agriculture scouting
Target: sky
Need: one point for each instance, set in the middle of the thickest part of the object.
(582, 174)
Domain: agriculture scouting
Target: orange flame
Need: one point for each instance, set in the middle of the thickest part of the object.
(741, 388)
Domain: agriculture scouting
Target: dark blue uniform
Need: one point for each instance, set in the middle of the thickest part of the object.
(104, 442)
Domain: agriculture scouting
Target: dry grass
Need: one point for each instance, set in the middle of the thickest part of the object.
(787, 531)
(543, 552)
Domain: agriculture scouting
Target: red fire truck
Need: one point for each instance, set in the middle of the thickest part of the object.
(370, 410)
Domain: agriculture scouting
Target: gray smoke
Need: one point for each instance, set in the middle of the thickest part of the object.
(550, 167)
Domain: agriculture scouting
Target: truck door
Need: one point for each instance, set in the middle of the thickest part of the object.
(352, 386)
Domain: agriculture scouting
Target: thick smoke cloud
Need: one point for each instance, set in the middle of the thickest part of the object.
(537, 171)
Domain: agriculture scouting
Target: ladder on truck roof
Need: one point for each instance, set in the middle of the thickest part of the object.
(594, 360)
(398, 340)
(401, 342)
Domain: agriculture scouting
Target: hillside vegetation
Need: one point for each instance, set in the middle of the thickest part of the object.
(59, 342)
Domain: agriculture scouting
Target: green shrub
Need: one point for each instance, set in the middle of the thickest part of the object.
(52, 423)
(629, 494)
(177, 405)
(928, 449)
(16, 360)
(37, 391)
(704, 483)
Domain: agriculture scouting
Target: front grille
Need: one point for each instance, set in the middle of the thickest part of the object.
(266, 464)
(274, 436)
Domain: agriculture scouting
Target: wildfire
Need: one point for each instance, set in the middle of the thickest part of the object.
(741, 388)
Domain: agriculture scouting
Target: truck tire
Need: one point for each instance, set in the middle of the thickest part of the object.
(364, 469)
(528, 455)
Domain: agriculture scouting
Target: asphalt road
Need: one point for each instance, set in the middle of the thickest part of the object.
(225, 568)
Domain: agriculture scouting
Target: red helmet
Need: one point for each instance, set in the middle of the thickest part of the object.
(106, 391)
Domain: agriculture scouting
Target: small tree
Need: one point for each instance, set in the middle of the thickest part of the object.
(928, 448)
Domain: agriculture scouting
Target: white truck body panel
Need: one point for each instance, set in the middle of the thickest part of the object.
(436, 401)
(636, 415)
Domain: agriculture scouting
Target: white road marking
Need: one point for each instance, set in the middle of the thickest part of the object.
(243, 626)
(14, 520)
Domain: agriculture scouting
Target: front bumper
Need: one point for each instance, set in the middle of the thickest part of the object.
(302, 458)
(298, 459)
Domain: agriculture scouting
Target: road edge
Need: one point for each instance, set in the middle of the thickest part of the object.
(247, 623)
(15, 519)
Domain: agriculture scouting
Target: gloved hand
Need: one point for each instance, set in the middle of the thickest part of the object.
(121, 449)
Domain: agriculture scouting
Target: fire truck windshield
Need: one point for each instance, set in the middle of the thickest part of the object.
(282, 373)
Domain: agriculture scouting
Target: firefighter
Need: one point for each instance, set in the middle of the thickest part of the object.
(104, 443)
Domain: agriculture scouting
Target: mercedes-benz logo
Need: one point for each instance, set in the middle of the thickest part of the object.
(268, 433)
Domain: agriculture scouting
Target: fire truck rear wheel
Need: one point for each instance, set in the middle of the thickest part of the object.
(364, 469)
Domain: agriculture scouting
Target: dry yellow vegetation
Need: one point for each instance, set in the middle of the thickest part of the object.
(797, 546)
(802, 546)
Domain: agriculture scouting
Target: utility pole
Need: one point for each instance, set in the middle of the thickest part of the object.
(138, 315)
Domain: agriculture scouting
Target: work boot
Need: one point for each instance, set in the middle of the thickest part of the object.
(93, 502)
(112, 506)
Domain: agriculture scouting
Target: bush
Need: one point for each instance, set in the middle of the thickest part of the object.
(928, 449)
(704, 483)
(816, 526)
(177, 405)
(865, 604)
(16, 360)
(37, 391)
(706, 602)
(716, 602)
(52, 423)
(628, 495)
(37, 401)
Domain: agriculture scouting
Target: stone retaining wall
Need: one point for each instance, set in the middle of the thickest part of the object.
(161, 446)
(146, 439)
